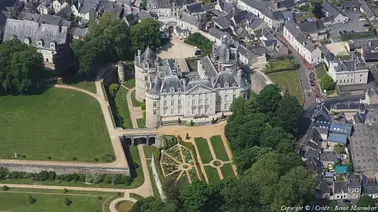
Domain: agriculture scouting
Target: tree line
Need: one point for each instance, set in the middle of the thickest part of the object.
(261, 132)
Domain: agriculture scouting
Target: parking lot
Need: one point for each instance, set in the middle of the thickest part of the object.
(354, 24)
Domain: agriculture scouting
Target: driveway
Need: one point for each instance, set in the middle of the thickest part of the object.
(176, 48)
(354, 24)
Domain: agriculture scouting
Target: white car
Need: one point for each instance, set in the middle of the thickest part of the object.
(362, 19)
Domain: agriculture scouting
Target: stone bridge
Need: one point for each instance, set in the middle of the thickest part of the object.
(149, 139)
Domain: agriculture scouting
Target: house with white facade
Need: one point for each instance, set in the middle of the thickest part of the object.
(349, 72)
(301, 42)
(59, 4)
(173, 91)
(262, 10)
(164, 8)
(45, 7)
(49, 34)
(333, 14)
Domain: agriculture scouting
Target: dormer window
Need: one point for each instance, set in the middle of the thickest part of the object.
(172, 90)
(179, 90)
(40, 43)
(226, 84)
(164, 90)
(234, 85)
(218, 85)
(27, 41)
(52, 45)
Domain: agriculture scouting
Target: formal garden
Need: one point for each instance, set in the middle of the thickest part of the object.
(39, 127)
(36, 200)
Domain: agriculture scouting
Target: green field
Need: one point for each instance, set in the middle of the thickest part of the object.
(15, 201)
(123, 109)
(130, 83)
(212, 174)
(227, 170)
(141, 123)
(59, 123)
(320, 71)
(219, 149)
(86, 85)
(204, 150)
(288, 80)
(148, 150)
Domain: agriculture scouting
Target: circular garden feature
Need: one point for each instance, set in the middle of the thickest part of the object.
(124, 206)
(217, 163)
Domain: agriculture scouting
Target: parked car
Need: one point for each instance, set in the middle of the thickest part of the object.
(366, 25)
(344, 31)
(340, 32)
(352, 31)
(197, 52)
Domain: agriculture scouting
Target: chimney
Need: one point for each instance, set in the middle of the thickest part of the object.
(369, 43)
(78, 5)
(139, 59)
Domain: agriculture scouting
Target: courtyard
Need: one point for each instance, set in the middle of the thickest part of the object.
(59, 125)
(176, 48)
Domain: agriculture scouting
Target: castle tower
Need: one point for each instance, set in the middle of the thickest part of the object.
(153, 103)
(144, 63)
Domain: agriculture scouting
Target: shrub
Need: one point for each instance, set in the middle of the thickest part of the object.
(30, 200)
(5, 188)
(113, 89)
(66, 202)
(52, 175)
(65, 190)
(99, 197)
(223, 116)
(24, 156)
(187, 136)
(3, 172)
(108, 158)
(143, 106)
(49, 157)
(119, 193)
(213, 121)
(179, 120)
(98, 178)
(96, 159)
(191, 123)
(42, 176)
(327, 83)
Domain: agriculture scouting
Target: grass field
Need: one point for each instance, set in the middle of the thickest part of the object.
(219, 149)
(130, 83)
(135, 102)
(59, 123)
(288, 80)
(148, 150)
(10, 201)
(87, 85)
(141, 123)
(282, 64)
(203, 150)
(227, 170)
(123, 109)
(212, 174)
(320, 71)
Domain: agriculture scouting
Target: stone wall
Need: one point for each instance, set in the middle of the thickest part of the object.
(258, 81)
(157, 178)
(31, 168)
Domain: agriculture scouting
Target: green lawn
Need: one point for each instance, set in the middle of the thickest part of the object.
(59, 123)
(282, 64)
(123, 109)
(219, 149)
(130, 83)
(320, 71)
(212, 174)
(10, 201)
(227, 170)
(135, 102)
(139, 178)
(204, 150)
(87, 85)
(141, 123)
(153, 183)
(148, 150)
(288, 80)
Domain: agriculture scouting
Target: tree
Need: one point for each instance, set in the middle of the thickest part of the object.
(272, 136)
(365, 201)
(145, 33)
(248, 157)
(296, 188)
(171, 188)
(42, 176)
(5, 188)
(30, 200)
(113, 89)
(327, 83)
(107, 41)
(66, 202)
(149, 204)
(269, 98)
(3, 172)
(194, 196)
(288, 114)
(317, 10)
(21, 68)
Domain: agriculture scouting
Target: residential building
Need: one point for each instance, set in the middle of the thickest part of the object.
(45, 7)
(253, 58)
(322, 190)
(369, 52)
(171, 90)
(59, 4)
(85, 9)
(333, 14)
(349, 72)
(315, 29)
(164, 8)
(371, 190)
(301, 43)
(49, 34)
(328, 158)
(190, 22)
(350, 5)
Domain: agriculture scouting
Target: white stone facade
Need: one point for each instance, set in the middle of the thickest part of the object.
(172, 91)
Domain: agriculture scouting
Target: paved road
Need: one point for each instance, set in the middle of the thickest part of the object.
(309, 96)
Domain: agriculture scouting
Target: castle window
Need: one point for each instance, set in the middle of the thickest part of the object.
(179, 102)
(218, 85)
(234, 84)
(172, 111)
(172, 102)
(165, 103)
(154, 112)
(226, 97)
(40, 43)
(52, 45)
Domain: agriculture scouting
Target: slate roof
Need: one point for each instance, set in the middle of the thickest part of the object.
(262, 6)
(223, 22)
(308, 27)
(226, 7)
(47, 29)
(350, 4)
(79, 32)
(323, 187)
(337, 138)
(159, 4)
(3, 5)
(311, 153)
(348, 105)
(370, 190)
(193, 20)
(328, 156)
(340, 187)
(171, 84)
(216, 32)
(246, 53)
(88, 5)
(354, 181)
(314, 164)
(301, 37)
(332, 10)
(367, 9)
(195, 8)
(341, 128)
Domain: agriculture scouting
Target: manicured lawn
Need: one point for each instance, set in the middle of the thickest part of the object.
(49, 202)
(288, 80)
(282, 64)
(87, 85)
(59, 123)
(320, 71)
(219, 149)
(123, 109)
(138, 177)
(148, 150)
(130, 83)
(136, 103)
(212, 174)
(227, 170)
(141, 123)
(203, 150)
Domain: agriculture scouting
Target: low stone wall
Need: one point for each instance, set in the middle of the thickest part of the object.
(31, 168)
(157, 178)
